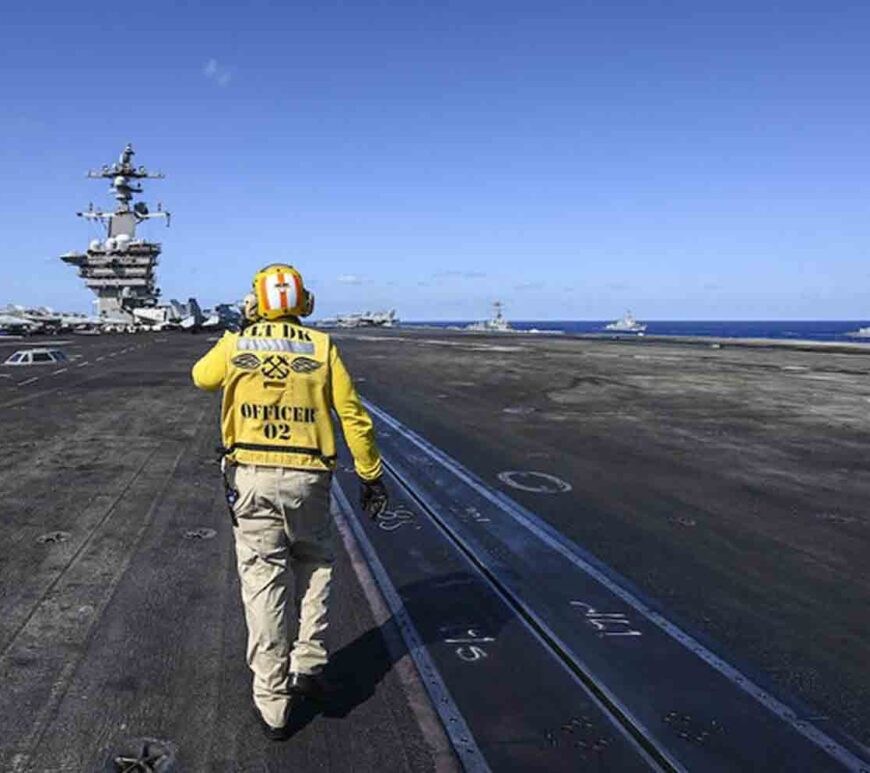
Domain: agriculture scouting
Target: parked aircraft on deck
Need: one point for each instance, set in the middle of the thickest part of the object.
(366, 319)
(21, 320)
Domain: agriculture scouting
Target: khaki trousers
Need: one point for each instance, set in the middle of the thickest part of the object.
(284, 527)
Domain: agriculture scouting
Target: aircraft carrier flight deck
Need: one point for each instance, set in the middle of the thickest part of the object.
(599, 555)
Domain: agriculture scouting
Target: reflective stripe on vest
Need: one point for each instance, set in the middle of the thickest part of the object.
(277, 449)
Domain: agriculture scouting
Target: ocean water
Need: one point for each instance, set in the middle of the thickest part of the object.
(796, 330)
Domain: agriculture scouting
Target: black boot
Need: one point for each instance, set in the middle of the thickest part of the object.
(312, 686)
(272, 733)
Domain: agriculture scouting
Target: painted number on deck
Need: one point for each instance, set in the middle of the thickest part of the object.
(469, 641)
(475, 515)
(606, 623)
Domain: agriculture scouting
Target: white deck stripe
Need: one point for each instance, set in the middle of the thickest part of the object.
(559, 543)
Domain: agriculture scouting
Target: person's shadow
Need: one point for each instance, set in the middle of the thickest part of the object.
(356, 669)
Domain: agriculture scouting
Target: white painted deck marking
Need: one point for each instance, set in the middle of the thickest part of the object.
(29, 381)
(82, 364)
(470, 641)
(62, 370)
(474, 514)
(564, 546)
(536, 482)
(606, 622)
(390, 520)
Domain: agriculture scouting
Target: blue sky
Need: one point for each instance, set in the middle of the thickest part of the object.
(574, 159)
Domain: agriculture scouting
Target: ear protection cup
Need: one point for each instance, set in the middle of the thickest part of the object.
(309, 304)
(249, 307)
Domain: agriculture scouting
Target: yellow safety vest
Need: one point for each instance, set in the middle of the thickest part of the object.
(280, 383)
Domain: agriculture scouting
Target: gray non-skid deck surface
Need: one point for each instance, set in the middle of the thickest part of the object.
(130, 629)
(730, 485)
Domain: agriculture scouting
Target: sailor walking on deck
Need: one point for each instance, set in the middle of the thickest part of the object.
(280, 382)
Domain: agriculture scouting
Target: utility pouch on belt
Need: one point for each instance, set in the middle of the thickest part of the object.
(231, 494)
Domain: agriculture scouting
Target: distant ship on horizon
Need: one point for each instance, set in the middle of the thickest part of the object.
(496, 324)
(628, 324)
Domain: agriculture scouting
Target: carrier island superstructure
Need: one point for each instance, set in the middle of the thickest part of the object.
(120, 268)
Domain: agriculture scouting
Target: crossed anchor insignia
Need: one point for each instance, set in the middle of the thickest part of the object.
(275, 366)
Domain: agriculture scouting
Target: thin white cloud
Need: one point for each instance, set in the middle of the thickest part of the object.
(350, 279)
(215, 71)
(456, 274)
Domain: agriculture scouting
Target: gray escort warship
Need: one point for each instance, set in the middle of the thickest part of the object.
(120, 268)
(497, 324)
(628, 324)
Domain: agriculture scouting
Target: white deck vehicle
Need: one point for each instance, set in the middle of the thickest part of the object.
(37, 357)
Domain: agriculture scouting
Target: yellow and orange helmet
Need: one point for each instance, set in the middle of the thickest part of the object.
(280, 293)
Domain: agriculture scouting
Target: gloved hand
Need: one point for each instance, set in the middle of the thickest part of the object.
(373, 497)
